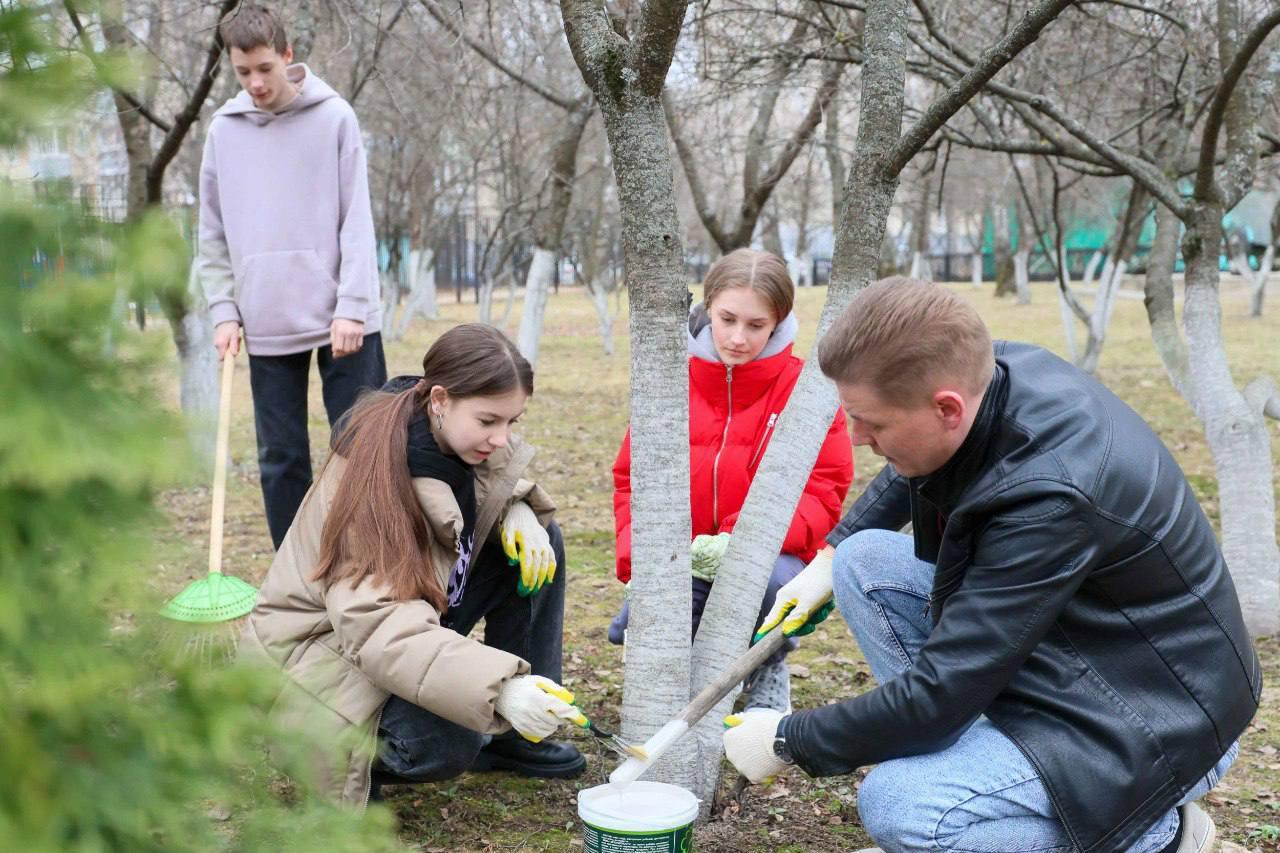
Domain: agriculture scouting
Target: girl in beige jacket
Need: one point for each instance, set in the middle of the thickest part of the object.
(420, 526)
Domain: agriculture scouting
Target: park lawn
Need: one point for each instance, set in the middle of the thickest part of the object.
(576, 419)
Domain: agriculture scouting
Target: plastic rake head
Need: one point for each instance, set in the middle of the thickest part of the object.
(216, 598)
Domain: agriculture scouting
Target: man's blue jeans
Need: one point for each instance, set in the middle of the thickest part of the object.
(979, 794)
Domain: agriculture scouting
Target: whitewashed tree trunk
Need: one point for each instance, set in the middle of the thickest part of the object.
(537, 288)
(975, 274)
(920, 266)
(881, 154)
(549, 229)
(510, 303)
(1022, 276)
(1161, 312)
(600, 301)
(389, 281)
(198, 371)
(484, 299)
(1258, 281)
(626, 77)
(422, 290)
(1068, 318)
(1091, 268)
(1100, 319)
(1236, 430)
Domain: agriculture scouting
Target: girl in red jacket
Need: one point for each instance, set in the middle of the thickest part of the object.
(741, 372)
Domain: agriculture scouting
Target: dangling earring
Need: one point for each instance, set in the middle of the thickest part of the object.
(439, 420)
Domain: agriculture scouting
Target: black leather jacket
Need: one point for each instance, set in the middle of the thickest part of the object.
(1080, 602)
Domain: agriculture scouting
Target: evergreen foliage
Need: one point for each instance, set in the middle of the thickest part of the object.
(106, 741)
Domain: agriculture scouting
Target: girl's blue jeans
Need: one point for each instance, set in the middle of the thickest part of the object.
(979, 794)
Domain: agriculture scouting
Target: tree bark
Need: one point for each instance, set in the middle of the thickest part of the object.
(1158, 298)
(626, 77)
(1236, 431)
(757, 539)
(550, 229)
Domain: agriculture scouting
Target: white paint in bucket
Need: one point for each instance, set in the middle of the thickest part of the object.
(645, 817)
(629, 771)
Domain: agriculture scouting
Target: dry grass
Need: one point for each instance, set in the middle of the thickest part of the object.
(576, 419)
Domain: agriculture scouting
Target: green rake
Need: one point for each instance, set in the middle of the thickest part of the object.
(213, 604)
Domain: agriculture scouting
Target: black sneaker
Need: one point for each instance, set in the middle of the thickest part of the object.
(548, 759)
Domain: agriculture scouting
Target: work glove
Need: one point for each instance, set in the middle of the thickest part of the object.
(748, 744)
(527, 544)
(535, 706)
(805, 600)
(705, 554)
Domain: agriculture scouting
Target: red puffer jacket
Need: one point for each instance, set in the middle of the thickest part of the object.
(732, 415)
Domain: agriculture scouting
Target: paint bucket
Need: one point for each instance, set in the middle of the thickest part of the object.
(643, 817)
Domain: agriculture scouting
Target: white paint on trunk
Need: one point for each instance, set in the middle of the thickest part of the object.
(1091, 268)
(198, 372)
(600, 301)
(1237, 434)
(422, 290)
(1068, 318)
(976, 272)
(920, 266)
(537, 287)
(1022, 275)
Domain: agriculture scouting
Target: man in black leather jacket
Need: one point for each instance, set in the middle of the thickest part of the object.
(1061, 657)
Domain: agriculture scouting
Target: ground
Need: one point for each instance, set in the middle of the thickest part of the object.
(576, 419)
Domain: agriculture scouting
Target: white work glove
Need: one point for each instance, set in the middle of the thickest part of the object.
(805, 600)
(748, 744)
(535, 706)
(706, 553)
(527, 544)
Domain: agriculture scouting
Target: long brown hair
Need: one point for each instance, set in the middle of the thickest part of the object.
(375, 525)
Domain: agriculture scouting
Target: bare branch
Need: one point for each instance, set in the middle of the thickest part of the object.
(655, 43)
(371, 67)
(1205, 185)
(87, 46)
(447, 21)
(190, 111)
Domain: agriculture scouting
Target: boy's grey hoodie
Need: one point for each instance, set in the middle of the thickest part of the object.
(286, 232)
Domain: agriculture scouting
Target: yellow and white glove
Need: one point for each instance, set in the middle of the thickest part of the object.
(805, 600)
(527, 544)
(748, 744)
(535, 706)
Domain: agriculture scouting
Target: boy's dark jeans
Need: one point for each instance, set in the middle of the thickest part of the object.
(280, 416)
(420, 746)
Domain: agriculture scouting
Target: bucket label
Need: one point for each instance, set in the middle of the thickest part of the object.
(678, 840)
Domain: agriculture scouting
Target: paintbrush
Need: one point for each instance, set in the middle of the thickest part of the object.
(617, 744)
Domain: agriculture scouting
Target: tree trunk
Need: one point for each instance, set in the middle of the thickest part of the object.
(627, 77)
(1236, 431)
(1258, 282)
(975, 273)
(1100, 319)
(600, 301)
(1003, 246)
(757, 539)
(1159, 301)
(422, 289)
(537, 288)
(198, 371)
(1022, 275)
(550, 230)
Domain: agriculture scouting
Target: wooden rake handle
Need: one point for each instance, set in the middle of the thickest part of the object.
(733, 676)
(220, 465)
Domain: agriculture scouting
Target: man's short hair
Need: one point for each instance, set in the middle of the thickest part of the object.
(903, 337)
(248, 26)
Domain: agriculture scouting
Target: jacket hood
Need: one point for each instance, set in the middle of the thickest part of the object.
(314, 91)
(701, 346)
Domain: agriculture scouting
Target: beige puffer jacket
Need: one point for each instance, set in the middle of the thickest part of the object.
(345, 650)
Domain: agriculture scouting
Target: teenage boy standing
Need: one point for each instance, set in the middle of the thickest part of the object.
(287, 249)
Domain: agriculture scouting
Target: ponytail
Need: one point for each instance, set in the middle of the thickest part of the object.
(374, 525)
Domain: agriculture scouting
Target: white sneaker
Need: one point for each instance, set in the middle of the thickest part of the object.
(768, 687)
(1198, 831)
